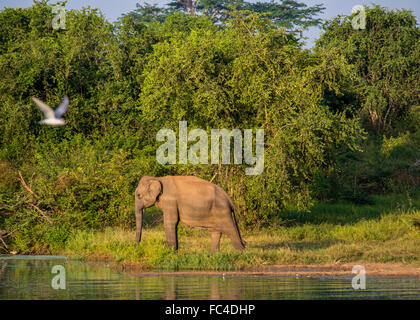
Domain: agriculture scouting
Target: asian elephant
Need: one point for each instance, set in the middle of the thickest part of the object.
(194, 201)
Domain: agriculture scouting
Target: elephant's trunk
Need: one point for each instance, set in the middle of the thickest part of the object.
(139, 219)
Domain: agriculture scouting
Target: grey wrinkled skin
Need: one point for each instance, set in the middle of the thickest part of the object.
(194, 201)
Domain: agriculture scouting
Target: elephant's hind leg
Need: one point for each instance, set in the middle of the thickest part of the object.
(229, 228)
(215, 240)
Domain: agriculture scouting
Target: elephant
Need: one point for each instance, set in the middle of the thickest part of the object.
(194, 201)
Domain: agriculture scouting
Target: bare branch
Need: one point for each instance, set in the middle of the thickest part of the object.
(7, 213)
(4, 243)
(246, 27)
(282, 127)
(41, 212)
(217, 172)
(25, 185)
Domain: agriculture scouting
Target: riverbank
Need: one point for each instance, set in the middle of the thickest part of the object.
(331, 237)
(327, 270)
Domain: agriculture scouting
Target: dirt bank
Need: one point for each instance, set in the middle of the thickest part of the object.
(342, 270)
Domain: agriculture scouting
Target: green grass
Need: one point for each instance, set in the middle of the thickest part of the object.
(386, 231)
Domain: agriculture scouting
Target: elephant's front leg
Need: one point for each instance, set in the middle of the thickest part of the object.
(170, 222)
(215, 240)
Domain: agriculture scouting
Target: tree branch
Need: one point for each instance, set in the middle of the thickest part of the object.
(182, 2)
(214, 176)
(282, 127)
(7, 213)
(214, 13)
(4, 243)
(41, 212)
(25, 185)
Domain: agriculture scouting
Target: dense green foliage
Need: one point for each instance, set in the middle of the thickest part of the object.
(129, 80)
(384, 93)
(386, 58)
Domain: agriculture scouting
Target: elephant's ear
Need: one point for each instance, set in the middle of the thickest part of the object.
(155, 189)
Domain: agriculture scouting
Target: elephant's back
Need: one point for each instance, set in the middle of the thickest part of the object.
(200, 184)
(190, 179)
(191, 187)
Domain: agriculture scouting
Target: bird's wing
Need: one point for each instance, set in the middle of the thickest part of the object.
(46, 110)
(62, 108)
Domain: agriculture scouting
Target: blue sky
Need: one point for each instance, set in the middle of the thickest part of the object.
(113, 9)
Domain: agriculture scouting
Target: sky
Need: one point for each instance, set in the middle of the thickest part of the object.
(114, 9)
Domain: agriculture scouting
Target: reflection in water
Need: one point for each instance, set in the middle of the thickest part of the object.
(3, 266)
(30, 278)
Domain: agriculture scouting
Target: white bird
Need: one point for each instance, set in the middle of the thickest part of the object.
(52, 118)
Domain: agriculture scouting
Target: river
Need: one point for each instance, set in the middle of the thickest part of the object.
(32, 277)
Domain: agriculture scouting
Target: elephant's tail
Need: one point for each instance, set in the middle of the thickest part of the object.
(233, 208)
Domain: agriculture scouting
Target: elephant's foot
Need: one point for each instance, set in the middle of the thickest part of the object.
(174, 246)
(236, 241)
(238, 246)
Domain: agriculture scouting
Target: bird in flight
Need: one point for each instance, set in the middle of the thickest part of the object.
(51, 117)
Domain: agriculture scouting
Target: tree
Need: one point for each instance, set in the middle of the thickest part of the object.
(288, 13)
(386, 59)
(148, 13)
(283, 13)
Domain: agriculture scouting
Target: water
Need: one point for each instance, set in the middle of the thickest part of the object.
(30, 277)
